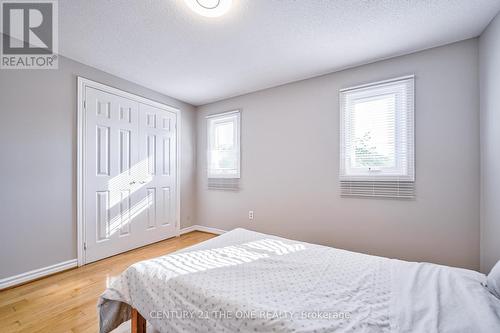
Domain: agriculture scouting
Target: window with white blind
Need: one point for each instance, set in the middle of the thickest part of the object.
(223, 158)
(377, 139)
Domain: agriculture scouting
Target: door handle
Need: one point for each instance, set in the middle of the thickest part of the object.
(132, 182)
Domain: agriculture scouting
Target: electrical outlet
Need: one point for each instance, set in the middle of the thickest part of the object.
(250, 214)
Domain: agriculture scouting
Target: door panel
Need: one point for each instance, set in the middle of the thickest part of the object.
(102, 210)
(130, 160)
(157, 138)
(166, 206)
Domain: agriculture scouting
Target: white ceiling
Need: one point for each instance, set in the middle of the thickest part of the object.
(164, 46)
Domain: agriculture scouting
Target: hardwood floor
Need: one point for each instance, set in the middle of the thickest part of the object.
(67, 302)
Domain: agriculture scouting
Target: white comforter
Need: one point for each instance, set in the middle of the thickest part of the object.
(245, 281)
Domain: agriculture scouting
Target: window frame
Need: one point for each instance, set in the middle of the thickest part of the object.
(403, 88)
(234, 117)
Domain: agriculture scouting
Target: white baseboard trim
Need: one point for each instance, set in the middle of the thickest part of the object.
(202, 228)
(188, 229)
(37, 273)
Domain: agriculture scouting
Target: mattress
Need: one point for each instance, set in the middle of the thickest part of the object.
(244, 281)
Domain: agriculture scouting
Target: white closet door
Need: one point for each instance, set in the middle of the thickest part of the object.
(130, 174)
(157, 141)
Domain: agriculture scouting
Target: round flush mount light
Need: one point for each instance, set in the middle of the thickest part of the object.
(209, 8)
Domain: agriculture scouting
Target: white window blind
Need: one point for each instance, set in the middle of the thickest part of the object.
(223, 156)
(377, 139)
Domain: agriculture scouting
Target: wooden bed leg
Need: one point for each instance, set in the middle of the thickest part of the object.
(138, 322)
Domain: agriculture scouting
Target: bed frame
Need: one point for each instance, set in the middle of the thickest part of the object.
(138, 322)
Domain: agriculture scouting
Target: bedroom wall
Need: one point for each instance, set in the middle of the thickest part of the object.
(38, 127)
(489, 51)
(290, 164)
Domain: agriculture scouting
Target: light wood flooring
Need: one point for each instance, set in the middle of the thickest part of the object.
(67, 301)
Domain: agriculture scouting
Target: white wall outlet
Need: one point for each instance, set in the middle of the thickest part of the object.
(250, 214)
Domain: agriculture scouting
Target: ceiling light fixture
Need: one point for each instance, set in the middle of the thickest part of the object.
(209, 8)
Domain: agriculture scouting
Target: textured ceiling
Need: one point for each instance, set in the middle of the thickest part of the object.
(164, 46)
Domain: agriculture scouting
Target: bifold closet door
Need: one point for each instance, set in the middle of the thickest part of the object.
(157, 142)
(130, 174)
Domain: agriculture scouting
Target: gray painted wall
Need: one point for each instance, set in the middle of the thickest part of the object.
(290, 164)
(38, 162)
(489, 52)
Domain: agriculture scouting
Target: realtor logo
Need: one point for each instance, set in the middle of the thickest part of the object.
(29, 34)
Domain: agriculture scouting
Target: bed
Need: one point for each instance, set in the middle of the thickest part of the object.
(244, 281)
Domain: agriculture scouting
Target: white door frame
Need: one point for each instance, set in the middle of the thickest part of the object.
(83, 83)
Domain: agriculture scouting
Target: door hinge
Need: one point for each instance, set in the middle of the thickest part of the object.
(85, 105)
(85, 246)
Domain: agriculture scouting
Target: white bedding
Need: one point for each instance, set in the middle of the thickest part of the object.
(245, 281)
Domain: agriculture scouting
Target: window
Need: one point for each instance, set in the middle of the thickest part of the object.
(377, 139)
(224, 146)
